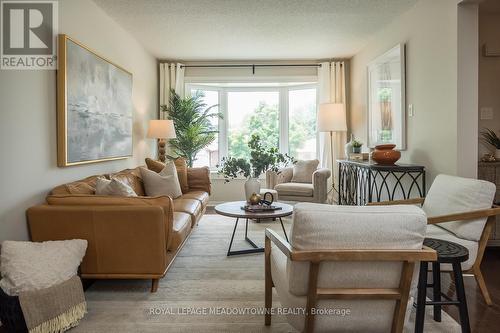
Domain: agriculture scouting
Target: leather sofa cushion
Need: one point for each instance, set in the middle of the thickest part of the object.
(84, 186)
(181, 229)
(131, 177)
(180, 165)
(182, 173)
(201, 196)
(295, 189)
(190, 206)
(199, 179)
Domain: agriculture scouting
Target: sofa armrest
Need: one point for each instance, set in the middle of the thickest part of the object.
(274, 178)
(320, 184)
(199, 179)
(127, 240)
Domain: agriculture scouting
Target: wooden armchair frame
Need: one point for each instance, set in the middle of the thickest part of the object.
(489, 213)
(400, 294)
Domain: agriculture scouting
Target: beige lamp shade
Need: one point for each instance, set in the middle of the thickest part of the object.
(332, 118)
(161, 129)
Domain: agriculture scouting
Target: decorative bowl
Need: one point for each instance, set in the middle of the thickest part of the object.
(385, 154)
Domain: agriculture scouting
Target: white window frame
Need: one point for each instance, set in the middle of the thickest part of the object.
(283, 92)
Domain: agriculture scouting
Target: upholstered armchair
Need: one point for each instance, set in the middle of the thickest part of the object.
(315, 190)
(460, 210)
(348, 269)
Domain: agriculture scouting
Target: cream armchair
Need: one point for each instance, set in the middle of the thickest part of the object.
(315, 191)
(460, 210)
(346, 269)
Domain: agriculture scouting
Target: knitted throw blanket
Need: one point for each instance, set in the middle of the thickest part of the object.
(54, 309)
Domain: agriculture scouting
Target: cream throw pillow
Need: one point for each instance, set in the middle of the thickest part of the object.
(113, 187)
(303, 171)
(30, 266)
(164, 183)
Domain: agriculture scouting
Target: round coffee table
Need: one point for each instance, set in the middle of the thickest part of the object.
(233, 209)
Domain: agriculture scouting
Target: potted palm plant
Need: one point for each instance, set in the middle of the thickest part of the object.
(491, 138)
(262, 159)
(193, 126)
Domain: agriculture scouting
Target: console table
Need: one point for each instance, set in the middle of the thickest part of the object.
(361, 182)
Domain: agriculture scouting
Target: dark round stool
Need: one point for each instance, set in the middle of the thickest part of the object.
(447, 253)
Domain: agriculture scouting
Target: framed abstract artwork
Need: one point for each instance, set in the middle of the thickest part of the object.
(387, 99)
(94, 106)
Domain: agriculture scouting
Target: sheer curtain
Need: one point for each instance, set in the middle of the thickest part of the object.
(171, 77)
(331, 85)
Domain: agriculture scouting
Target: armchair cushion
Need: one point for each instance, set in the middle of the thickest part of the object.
(303, 171)
(450, 194)
(317, 226)
(295, 189)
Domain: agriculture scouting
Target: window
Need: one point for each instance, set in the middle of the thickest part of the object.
(283, 115)
(249, 113)
(302, 124)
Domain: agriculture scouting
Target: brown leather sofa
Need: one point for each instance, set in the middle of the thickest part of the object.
(128, 237)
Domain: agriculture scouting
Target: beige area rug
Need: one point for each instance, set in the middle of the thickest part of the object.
(201, 279)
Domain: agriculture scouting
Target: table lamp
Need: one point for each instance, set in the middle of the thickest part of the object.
(161, 130)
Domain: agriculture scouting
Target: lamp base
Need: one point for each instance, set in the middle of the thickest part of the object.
(162, 150)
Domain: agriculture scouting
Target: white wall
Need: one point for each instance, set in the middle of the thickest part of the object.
(429, 30)
(489, 74)
(28, 116)
(467, 89)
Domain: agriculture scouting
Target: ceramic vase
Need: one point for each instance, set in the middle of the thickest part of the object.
(252, 185)
(385, 154)
(349, 146)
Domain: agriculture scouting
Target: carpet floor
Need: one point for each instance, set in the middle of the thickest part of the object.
(201, 290)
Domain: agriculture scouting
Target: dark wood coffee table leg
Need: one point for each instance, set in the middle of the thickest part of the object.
(255, 248)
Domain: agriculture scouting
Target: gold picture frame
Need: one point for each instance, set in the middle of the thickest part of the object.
(94, 106)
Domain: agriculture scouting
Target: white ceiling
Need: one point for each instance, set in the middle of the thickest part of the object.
(253, 29)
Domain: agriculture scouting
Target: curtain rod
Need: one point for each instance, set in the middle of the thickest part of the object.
(252, 66)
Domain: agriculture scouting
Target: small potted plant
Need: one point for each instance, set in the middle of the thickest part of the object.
(356, 146)
(491, 138)
(262, 159)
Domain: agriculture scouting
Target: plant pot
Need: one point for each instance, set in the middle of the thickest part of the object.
(497, 154)
(385, 154)
(356, 150)
(252, 185)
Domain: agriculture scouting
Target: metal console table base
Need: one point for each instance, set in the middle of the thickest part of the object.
(255, 248)
(362, 182)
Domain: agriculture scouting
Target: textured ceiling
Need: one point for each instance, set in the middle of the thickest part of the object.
(253, 29)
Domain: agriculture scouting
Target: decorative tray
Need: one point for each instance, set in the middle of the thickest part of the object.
(260, 208)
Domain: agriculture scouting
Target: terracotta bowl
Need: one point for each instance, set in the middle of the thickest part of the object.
(385, 154)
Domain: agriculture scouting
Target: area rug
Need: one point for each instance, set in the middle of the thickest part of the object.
(204, 291)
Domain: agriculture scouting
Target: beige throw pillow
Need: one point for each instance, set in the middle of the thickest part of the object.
(303, 171)
(164, 183)
(113, 187)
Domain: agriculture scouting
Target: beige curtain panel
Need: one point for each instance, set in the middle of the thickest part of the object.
(171, 77)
